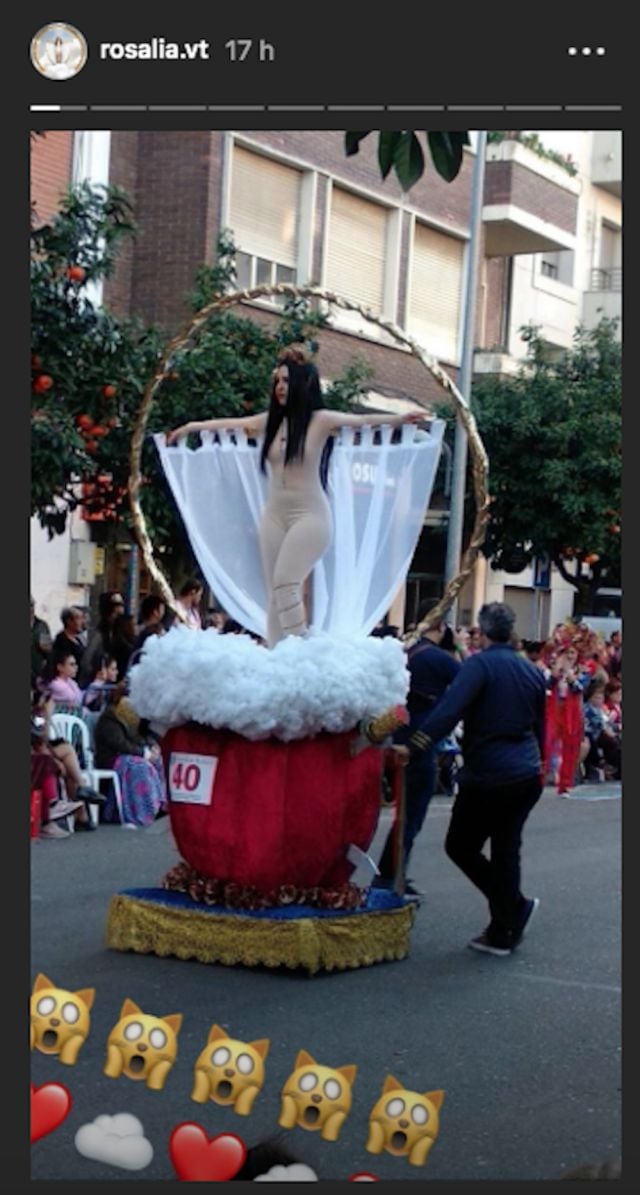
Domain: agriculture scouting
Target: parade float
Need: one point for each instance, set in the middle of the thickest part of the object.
(275, 758)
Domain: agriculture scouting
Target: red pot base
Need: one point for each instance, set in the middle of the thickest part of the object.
(265, 815)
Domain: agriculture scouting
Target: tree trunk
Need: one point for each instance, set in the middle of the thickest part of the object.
(585, 587)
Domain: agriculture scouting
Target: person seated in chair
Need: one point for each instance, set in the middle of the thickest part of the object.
(62, 685)
(124, 746)
(59, 759)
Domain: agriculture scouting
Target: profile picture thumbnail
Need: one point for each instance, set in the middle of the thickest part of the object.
(58, 51)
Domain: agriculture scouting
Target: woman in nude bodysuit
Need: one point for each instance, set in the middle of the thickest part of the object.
(296, 526)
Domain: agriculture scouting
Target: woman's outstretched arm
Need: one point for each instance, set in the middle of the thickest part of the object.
(248, 423)
(336, 419)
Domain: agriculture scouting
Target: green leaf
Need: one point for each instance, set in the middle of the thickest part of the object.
(408, 160)
(447, 152)
(388, 144)
(352, 142)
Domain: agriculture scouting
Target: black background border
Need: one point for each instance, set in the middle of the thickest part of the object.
(495, 55)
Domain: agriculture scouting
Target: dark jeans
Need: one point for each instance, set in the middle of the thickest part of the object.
(499, 814)
(420, 783)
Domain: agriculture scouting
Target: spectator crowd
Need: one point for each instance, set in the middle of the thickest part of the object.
(82, 671)
(583, 677)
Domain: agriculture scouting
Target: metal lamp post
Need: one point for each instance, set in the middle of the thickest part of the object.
(459, 470)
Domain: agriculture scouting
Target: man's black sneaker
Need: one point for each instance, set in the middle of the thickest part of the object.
(527, 914)
(490, 945)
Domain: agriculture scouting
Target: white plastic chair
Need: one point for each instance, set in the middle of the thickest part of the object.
(100, 774)
(70, 728)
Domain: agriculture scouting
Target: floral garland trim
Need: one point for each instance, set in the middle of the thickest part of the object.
(230, 895)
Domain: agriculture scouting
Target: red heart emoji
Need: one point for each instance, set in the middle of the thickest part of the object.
(50, 1105)
(196, 1158)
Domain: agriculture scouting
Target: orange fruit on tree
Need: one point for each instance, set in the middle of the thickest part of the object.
(109, 391)
(43, 383)
(85, 422)
(91, 446)
(76, 273)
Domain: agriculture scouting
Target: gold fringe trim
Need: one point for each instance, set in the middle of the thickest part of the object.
(315, 943)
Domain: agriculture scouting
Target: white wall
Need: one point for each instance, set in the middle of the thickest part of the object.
(561, 593)
(552, 305)
(50, 571)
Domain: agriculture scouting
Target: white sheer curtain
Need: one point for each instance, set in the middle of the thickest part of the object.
(378, 492)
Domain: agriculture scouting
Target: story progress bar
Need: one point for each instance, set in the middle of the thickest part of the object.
(325, 107)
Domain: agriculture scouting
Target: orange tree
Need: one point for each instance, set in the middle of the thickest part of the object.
(90, 369)
(87, 367)
(554, 438)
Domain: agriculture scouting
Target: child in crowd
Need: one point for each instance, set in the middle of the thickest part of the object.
(604, 744)
(63, 686)
(104, 680)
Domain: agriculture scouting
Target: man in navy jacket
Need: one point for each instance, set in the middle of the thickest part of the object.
(501, 699)
(432, 670)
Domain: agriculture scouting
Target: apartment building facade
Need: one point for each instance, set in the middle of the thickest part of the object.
(557, 289)
(301, 211)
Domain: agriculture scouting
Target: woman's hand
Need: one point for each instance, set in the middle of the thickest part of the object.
(178, 434)
(414, 417)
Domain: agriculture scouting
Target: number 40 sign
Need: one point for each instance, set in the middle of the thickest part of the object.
(191, 777)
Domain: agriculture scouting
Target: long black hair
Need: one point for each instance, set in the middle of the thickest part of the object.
(304, 397)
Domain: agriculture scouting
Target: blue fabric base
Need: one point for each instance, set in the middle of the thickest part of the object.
(378, 901)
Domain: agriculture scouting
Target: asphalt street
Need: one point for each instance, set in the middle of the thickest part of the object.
(527, 1048)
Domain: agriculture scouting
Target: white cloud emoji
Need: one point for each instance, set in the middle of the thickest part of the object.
(117, 1140)
(296, 1173)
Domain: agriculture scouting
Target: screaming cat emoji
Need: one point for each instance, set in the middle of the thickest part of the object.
(142, 1047)
(317, 1097)
(60, 1020)
(404, 1122)
(230, 1071)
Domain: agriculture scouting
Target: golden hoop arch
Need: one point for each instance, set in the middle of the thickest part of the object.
(479, 460)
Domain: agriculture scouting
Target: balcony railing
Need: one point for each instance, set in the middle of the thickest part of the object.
(606, 279)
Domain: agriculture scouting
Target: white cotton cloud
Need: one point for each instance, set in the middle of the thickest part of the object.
(301, 687)
(296, 1173)
(117, 1140)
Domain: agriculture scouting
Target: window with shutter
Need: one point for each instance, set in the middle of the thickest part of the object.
(356, 250)
(436, 291)
(263, 216)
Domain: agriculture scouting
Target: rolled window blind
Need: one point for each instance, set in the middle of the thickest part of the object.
(264, 207)
(356, 249)
(436, 291)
